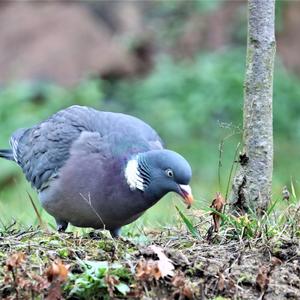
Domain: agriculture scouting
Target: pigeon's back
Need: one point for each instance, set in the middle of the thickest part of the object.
(43, 149)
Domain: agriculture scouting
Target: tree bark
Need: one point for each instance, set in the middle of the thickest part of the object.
(253, 181)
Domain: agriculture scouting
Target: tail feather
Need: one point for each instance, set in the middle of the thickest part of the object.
(7, 154)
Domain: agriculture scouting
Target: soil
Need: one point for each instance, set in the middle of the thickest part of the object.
(215, 269)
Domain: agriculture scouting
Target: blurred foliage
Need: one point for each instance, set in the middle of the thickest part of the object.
(176, 6)
(279, 11)
(169, 18)
(193, 104)
(200, 102)
(191, 98)
(25, 103)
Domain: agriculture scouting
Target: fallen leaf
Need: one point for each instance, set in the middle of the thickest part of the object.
(147, 270)
(24, 283)
(217, 204)
(182, 287)
(275, 261)
(54, 292)
(262, 278)
(56, 274)
(231, 285)
(165, 264)
(178, 280)
(57, 271)
(156, 271)
(158, 267)
(221, 282)
(111, 282)
(41, 283)
(15, 260)
(187, 292)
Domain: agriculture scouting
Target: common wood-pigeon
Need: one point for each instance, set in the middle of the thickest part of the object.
(97, 169)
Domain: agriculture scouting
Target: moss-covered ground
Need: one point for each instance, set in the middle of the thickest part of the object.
(235, 263)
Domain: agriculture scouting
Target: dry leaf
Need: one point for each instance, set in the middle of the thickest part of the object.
(183, 289)
(57, 271)
(56, 274)
(41, 283)
(262, 278)
(178, 280)
(54, 292)
(156, 271)
(27, 283)
(231, 285)
(15, 260)
(217, 204)
(147, 270)
(165, 264)
(24, 283)
(221, 282)
(275, 261)
(111, 282)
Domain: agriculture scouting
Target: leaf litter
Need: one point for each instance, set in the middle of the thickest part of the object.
(171, 264)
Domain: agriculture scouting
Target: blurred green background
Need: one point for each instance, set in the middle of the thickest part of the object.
(178, 65)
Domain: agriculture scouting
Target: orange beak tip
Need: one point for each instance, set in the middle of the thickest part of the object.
(186, 194)
(189, 200)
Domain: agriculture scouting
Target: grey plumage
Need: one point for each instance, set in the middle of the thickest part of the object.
(43, 149)
(7, 154)
(76, 160)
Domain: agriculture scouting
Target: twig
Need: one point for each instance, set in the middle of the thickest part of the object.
(221, 147)
(89, 202)
(231, 170)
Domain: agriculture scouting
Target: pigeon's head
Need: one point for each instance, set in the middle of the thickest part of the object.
(158, 172)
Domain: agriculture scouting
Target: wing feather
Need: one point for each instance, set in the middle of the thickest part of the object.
(43, 149)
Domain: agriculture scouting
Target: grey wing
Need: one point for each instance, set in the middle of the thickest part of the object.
(43, 149)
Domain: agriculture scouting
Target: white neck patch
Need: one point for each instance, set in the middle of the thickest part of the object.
(133, 175)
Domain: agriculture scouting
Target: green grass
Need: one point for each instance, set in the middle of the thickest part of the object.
(94, 264)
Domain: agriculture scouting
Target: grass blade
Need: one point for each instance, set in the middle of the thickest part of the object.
(41, 223)
(231, 170)
(293, 190)
(194, 232)
(271, 208)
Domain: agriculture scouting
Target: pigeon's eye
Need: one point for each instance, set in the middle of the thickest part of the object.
(169, 173)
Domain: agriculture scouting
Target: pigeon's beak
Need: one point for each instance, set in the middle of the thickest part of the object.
(186, 194)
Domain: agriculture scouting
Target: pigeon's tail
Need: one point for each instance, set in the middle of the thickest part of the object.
(7, 154)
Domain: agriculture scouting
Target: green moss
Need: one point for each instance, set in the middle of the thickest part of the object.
(63, 253)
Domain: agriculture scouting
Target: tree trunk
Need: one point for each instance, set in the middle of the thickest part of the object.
(252, 184)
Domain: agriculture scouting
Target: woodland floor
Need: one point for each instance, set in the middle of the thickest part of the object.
(36, 264)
